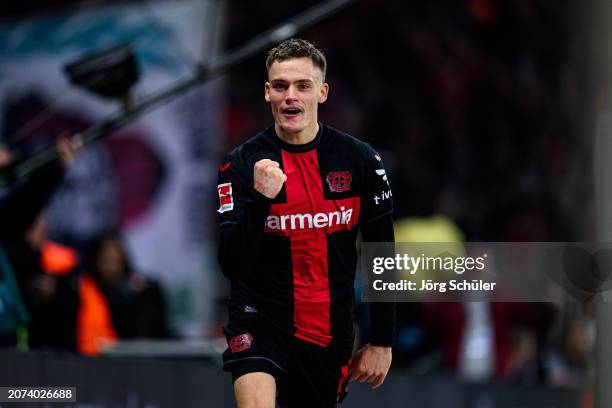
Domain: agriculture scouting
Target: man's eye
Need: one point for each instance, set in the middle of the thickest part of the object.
(304, 86)
(278, 87)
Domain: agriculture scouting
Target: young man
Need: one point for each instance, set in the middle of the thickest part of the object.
(292, 200)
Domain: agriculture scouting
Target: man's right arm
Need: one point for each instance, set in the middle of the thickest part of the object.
(243, 208)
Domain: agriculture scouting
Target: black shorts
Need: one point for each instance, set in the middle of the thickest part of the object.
(306, 375)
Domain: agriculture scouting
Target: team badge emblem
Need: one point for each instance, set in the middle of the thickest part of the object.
(339, 181)
(226, 201)
(241, 343)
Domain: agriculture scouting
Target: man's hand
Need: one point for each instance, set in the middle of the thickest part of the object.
(268, 177)
(370, 365)
(68, 147)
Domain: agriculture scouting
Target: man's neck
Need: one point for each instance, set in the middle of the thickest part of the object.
(299, 138)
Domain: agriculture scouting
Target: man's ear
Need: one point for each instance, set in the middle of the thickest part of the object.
(324, 92)
(267, 92)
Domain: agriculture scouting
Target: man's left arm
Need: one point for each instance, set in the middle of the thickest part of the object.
(371, 363)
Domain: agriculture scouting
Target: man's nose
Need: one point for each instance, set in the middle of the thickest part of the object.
(291, 93)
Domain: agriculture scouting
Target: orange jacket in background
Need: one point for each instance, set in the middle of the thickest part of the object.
(94, 322)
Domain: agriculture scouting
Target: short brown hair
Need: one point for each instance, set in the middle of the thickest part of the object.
(297, 48)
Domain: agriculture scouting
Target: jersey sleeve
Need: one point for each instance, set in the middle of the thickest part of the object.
(377, 226)
(242, 213)
(377, 198)
(382, 314)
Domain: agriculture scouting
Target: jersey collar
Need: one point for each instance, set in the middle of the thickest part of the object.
(293, 147)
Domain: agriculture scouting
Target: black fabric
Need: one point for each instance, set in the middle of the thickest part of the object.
(314, 375)
(306, 375)
(266, 350)
(258, 365)
(382, 314)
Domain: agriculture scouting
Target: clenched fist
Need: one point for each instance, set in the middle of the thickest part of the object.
(370, 365)
(268, 177)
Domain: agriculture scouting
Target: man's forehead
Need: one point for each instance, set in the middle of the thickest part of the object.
(294, 69)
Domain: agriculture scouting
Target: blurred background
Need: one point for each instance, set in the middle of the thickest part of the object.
(484, 111)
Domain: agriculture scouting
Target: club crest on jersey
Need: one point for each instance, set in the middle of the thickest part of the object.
(226, 201)
(339, 181)
(241, 342)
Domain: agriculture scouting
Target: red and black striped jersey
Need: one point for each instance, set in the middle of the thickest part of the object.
(292, 259)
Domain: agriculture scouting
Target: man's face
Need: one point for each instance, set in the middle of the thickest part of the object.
(294, 89)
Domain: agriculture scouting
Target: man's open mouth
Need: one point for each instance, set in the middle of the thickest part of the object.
(292, 111)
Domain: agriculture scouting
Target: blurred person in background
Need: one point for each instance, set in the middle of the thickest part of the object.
(44, 271)
(569, 362)
(19, 207)
(115, 302)
(482, 341)
(292, 200)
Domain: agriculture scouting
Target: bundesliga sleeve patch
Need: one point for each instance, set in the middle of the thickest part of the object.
(226, 201)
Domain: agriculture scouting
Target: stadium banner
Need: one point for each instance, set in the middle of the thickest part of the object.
(490, 271)
(149, 180)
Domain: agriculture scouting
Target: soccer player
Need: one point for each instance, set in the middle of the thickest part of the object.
(292, 200)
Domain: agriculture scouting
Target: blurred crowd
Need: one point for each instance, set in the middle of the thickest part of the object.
(483, 112)
(53, 297)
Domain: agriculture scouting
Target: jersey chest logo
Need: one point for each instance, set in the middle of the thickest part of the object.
(339, 181)
(333, 219)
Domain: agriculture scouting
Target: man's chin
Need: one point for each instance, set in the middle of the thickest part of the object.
(291, 128)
